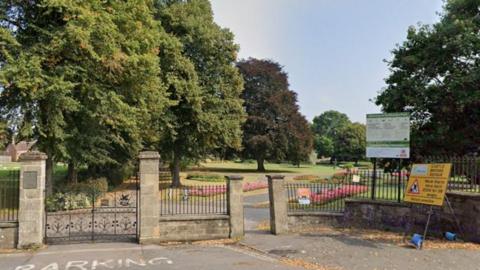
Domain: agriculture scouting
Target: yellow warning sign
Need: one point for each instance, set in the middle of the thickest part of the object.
(428, 183)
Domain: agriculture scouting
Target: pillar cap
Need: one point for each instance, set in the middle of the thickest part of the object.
(149, 155)
(32, 155)
(276, 176)
(234, 177)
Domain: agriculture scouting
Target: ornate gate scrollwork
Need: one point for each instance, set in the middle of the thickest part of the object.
(107, 217)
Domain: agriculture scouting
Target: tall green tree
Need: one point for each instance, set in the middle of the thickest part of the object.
(435, 75)
(300, 139)
(274, 129)
(337, 137)
(208, 113)
(350, 142)
(329, 123)
(83, 75)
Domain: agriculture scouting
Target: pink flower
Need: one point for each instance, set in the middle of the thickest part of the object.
(337, 193)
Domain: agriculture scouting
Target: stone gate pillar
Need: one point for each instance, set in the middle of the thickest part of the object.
(235, 205)
(31, 210)
(149, 212)
(278, 204)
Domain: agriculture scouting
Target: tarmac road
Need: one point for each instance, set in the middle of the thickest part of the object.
(133, 256)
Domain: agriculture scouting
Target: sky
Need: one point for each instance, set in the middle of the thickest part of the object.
(333, 50)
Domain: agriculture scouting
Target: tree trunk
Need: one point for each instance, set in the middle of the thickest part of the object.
(72, 175)
(260, 165)
(176, 170)
(49, 175)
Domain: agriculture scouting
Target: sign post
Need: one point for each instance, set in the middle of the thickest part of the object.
(428, 185)
(388, 136)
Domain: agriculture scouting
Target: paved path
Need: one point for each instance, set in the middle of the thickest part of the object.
(255, 215)
(132, 256)
(341, 251)
(254, 199)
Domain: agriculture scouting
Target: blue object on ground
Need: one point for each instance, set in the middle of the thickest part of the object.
(451, 236)
(417, 240)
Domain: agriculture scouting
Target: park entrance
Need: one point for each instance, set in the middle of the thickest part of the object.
(88, 216)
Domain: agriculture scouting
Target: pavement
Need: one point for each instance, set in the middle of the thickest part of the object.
(343, 251)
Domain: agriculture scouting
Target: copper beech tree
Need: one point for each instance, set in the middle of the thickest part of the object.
(274, 130)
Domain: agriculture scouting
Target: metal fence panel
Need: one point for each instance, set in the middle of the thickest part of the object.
(9, 194)
(194, 200)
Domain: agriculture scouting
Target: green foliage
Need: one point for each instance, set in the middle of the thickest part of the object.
(324, 146)
(81, 77)
(93, 187)
(348, 166)
(5, 134)
(206, 177)
(329, 123)
(350, 142)
(67, 201)
(434, 75)
(337, 137)
(274, 129)
(197, 61)
(77, 196)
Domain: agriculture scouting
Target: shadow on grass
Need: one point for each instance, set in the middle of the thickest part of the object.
(240, 170)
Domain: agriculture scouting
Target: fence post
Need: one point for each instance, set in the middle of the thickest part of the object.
(374, 178)
(31, 209)
(399, 184)
(278, 204)
(235, 205)
(149, 212)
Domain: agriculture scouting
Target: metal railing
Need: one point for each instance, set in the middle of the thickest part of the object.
(194, 200)
(381, 185)
(9, 195)
(465, 174)
(329, 195)
(320, 197)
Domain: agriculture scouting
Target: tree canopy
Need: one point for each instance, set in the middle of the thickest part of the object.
(337, 137)
(435, 75)
(274, 129)
(94, 82)
(205, 84)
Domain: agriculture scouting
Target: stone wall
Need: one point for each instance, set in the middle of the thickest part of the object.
(192, 228)
(412, 218)
(8, 235)
(306, 220)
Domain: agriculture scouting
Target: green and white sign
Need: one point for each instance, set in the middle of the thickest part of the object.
(388, 135)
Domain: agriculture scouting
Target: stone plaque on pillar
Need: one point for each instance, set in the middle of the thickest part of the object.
(30, 180)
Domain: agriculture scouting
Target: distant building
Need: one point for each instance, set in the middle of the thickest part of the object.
(15, 150)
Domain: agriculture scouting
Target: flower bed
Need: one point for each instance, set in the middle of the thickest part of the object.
(337, 193)
(207, 190)
(250, 186)
(213, 190)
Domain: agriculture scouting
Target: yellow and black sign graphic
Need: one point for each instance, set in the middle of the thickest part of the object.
(428, 183)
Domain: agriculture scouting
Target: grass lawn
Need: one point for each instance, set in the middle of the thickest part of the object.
(229, 167)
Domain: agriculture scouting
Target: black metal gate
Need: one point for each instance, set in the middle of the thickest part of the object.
(93, 217)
